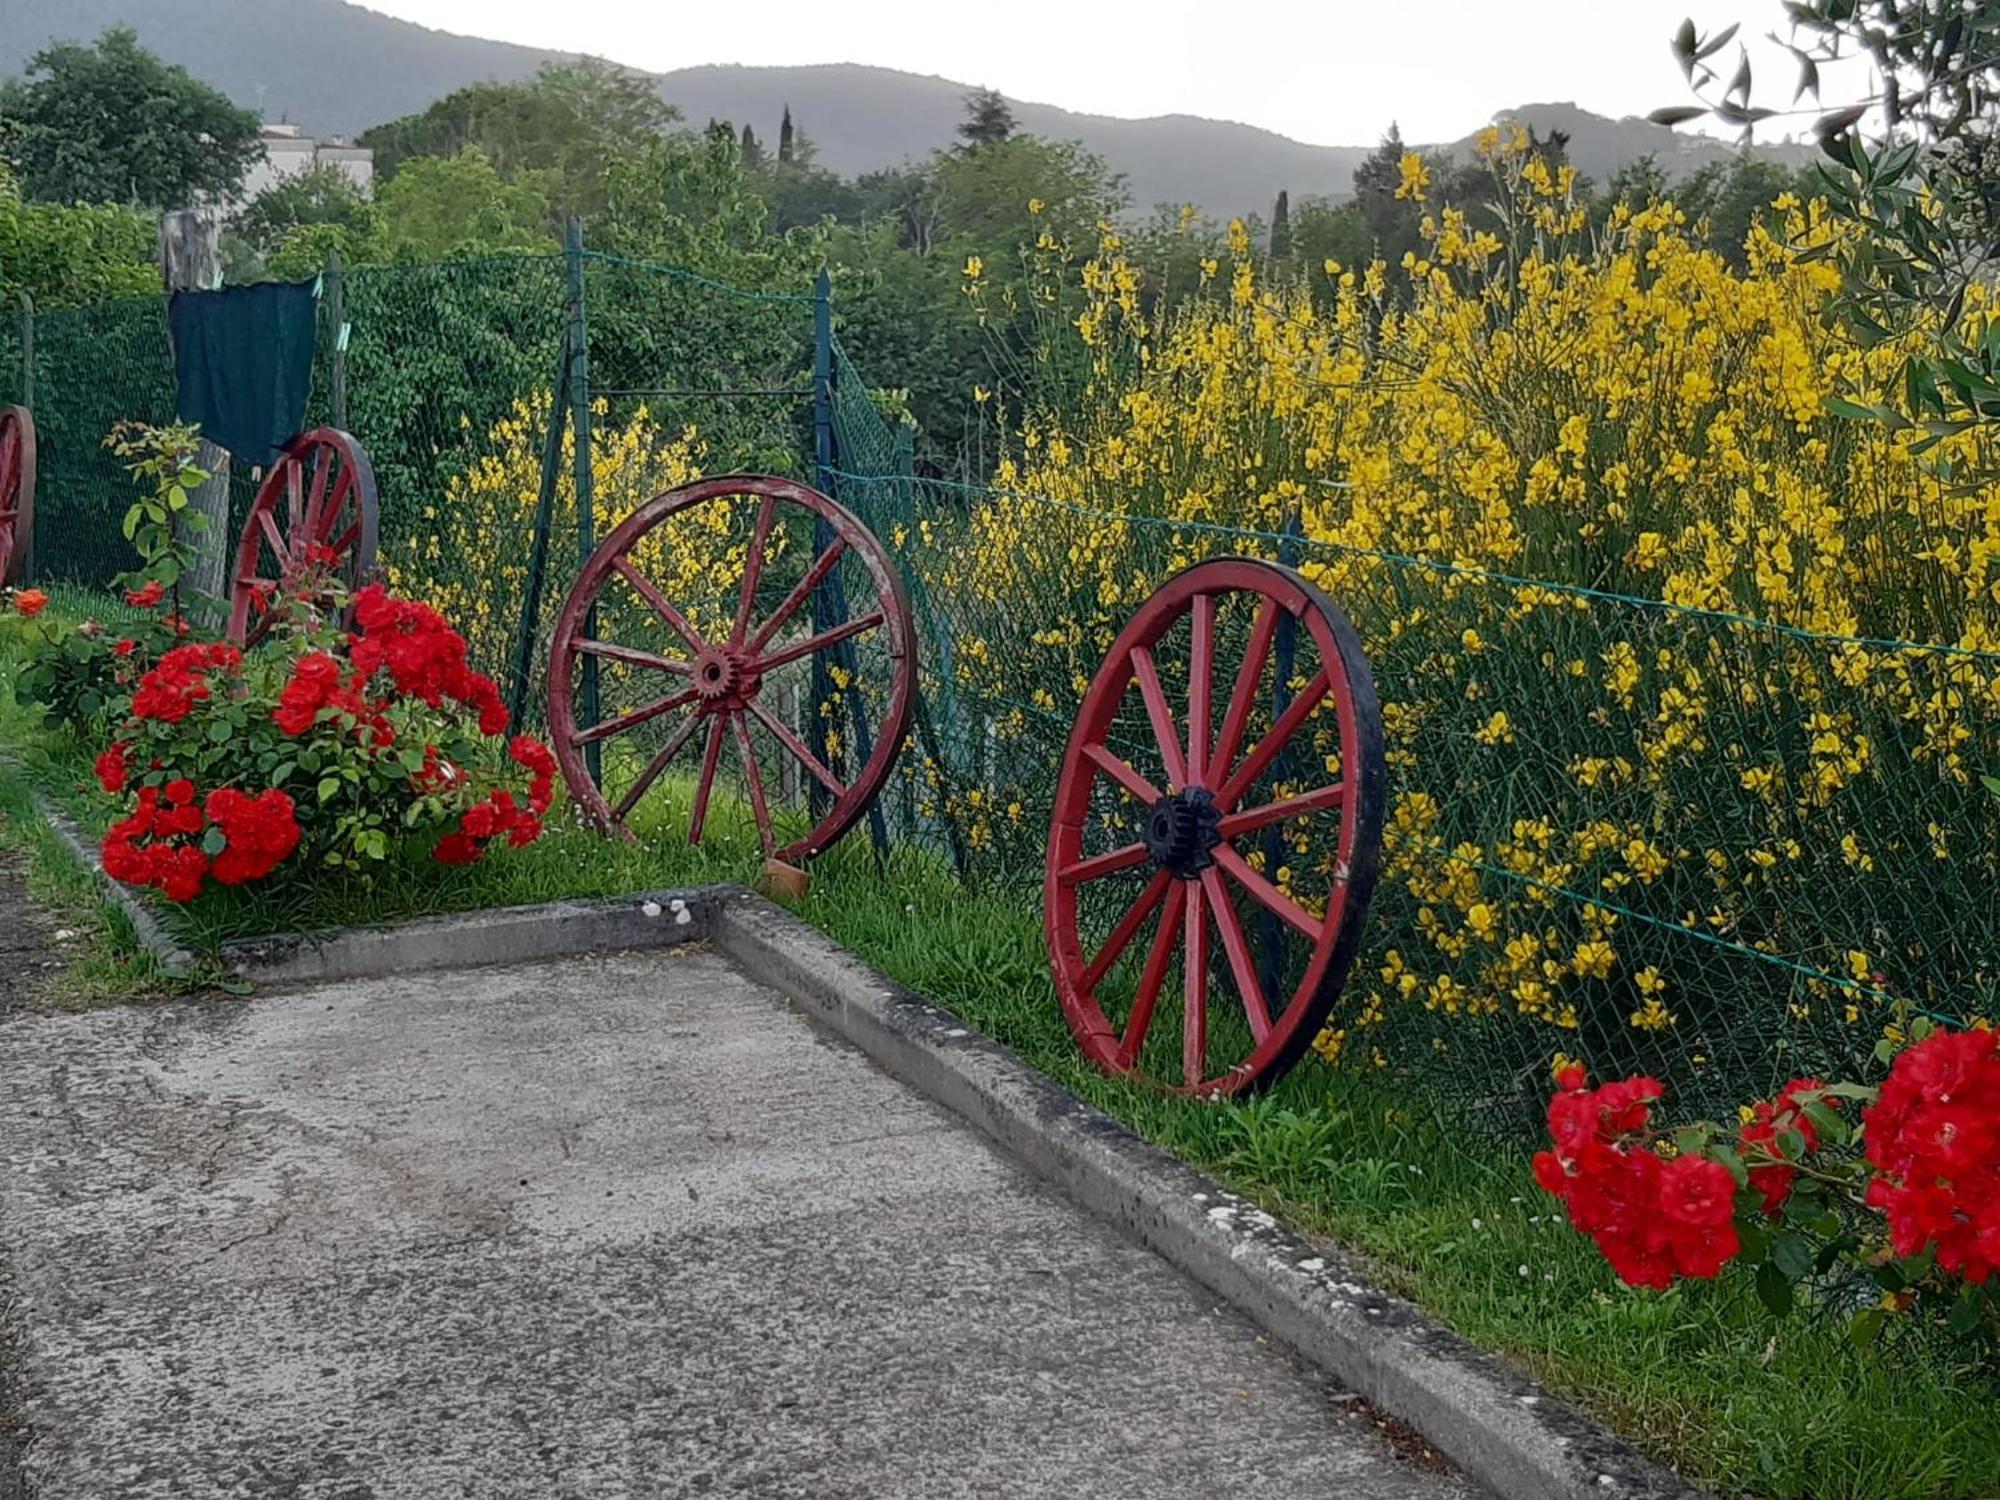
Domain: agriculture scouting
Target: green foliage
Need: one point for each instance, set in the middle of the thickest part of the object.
(1919, 191)
(62, 255)
(988, 119)
(438, 206)
(111, 123)
(159, 524)
(320, 197)
(572, 122)
(70, 678)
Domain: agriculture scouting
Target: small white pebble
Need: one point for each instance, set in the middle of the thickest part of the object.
(64, 934)
(1606, 1482)
(650, 909)
(682, 916)
(1478, 1224)
(1315, 1264)
(1517, 1198)
(910, 908)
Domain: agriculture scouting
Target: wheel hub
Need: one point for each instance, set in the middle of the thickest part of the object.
(722, 677)
(1182, 830)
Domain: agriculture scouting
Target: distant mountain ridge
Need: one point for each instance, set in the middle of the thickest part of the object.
(336, 68)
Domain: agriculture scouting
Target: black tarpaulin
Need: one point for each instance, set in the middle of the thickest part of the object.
(243, 361)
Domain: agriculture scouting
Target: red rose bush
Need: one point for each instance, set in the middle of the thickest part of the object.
(326, 748)
(1907, 1196)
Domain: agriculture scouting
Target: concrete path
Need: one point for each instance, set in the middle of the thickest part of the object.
(622, 1226)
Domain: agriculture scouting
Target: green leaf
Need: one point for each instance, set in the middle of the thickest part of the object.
(1754, 1243)
(1866, 1326)
(1967, 1312)
(1773, 1289)
(329, 788)
(1792, 1254)
(1734, 1163)
(1854, 411)
(213, 842)
(221, 731)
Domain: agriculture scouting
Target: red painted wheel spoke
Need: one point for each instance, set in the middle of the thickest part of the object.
(295, 494)
(1250, 819)
(632, 720)
(1201, 667)
(1247, 679)
(709, 756)
(637, 658)
(1254, 764)
(1234, 945)
(798, 748)
(316, 507)
(755, 778)
(815, 576)
(1097, 867)
(1162, 717)
(643, 586)
(819, 642)
(753, 569)
(345, 540)
(1122, 773)
(1288, 910)
(1127, 929)
(275, 537)
(1194, 989)
(654, 768)
(1152, 979)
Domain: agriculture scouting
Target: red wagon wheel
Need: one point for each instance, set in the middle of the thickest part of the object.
(17, 490)
(1249, 846)
(316, 508)
(749, 613)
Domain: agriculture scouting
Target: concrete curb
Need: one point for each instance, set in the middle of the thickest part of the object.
(1499, 1426)
(459, 940)
(175, 961)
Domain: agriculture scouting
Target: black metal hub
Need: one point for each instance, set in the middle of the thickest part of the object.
(1182, 830)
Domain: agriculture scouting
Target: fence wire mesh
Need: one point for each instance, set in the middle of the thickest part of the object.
(1651, 837)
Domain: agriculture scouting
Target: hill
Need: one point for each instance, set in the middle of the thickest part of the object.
(336, 68)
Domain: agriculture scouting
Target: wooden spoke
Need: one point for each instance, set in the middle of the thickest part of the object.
(797, 746)
(1152, 979)
(655, 767)
(753, 569)
(1162, 717)
(1129, 857)
(1295, 714)
(755, 780)
(643, 587)
(1250, 819)
(1288, 910)
(636, 717)
(1127, 929)
(819, 642)
(634, 657)
(1122, 773)
(1238, 950)
(275, 538)
(709, 756)
(1237, 716)
(1201, 667)
(1194, 988)
(815, 576)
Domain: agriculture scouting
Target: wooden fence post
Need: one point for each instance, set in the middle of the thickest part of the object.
(190, 246)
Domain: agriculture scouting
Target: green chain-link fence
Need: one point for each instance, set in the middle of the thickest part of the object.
(1648, 836)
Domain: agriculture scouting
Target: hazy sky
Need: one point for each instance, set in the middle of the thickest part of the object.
(1333, 72)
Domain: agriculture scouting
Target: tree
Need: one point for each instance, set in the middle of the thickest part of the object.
(751, 150)
(785, 136)
(988, 120)
(111, 123)
(1281, 227)
(1921, 190)
(571, 120)
(320, 196)
(445, 205)
(1324, 231)
(1003, 196)
(1394, 217)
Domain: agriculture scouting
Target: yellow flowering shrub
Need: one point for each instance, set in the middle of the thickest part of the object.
(1666, 787)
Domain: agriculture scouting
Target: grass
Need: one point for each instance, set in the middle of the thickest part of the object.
(1699, 1376)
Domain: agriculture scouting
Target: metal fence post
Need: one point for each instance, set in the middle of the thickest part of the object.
(538, 555)
(28, 400)
(336, 309)
(586, 508)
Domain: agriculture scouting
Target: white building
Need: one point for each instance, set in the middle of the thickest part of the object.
(287, 154)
